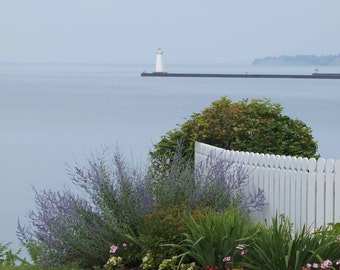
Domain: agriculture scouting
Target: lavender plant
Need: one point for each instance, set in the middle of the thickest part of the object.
(215, 182)
(177, 185)
(114, 198)
(63, 229)
(220, 183)
(67, 227)
(119, 193)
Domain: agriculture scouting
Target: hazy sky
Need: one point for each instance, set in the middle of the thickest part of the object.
(188, 31)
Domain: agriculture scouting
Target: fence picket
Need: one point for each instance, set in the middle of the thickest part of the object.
(320, 193)
(287, 182)
(337, 191)
(292, 201)
(311, 193)
(329, 194)
(281, 185)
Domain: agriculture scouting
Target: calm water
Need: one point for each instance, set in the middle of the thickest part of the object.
(56, 114)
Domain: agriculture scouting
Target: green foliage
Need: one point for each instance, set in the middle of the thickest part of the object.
(39, 267)
(173, 264)
(114, 262)
(334, 228)
(147, 262)
(35, 250)
(212, 236)
(10, 258)
(162, 226)
(279, 247)
(253, 126)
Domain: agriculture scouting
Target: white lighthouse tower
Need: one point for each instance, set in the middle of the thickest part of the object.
(159, 61)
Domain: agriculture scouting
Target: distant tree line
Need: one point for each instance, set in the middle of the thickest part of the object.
(323, 60)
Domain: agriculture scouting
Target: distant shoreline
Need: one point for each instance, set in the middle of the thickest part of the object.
(300, 60)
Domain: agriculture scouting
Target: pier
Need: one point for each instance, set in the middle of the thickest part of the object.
(245, 75)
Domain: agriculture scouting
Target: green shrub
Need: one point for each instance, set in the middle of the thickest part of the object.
(162, 226)
(256, 125)
(279, 247)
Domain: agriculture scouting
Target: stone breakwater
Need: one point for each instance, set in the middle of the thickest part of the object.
(244, 75)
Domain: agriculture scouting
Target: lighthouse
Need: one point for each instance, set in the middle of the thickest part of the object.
(159, 61)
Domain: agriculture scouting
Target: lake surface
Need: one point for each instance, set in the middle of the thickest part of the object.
(53, 114)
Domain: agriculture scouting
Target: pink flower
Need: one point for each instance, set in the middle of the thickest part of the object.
(124, 245)
(326, 264)
(240, 247)
(227, 259)
(338, 263)
(315, 265)
(244, 251)
(113, 249)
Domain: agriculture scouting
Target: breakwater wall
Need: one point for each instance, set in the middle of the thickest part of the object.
(245, 75)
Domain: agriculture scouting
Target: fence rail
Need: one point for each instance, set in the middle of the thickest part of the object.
(307, 191)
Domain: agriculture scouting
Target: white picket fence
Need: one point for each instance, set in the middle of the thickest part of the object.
(307, 191)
